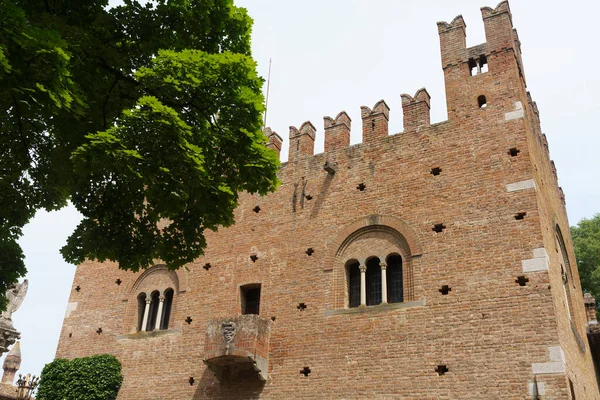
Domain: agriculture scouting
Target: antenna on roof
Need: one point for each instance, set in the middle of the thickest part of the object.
(267, 100)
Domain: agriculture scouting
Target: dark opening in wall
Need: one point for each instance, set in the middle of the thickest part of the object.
(439, 227)
(361, 186)
(207, 266)
(256, 209)
(373, 278)
(250, 297)
(481, 100)
(166, 311)
(305, 371)
(472, 66)
(77, 288)
(353, 284)
(99, 331)
(310, 251)
(436, 171)
(445, 290)
(118, 282)
(441, 369)
(253, 257)
(309, 197)
(153, 312)
(478, 65)
(191, 381)
(520, 216)
(301, 306)
(522, 280)
(141, 300)
(189, 320)
(514, 152)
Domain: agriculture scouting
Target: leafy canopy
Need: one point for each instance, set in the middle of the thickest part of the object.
(147, 117)
(586, 241)
(92, 378)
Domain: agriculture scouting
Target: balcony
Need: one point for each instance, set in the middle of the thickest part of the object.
(236, 346)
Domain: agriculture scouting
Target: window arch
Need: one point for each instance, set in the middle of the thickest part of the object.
(565, 272)
(382, 282)
(154, 310)
(153, 298)
(373, 241)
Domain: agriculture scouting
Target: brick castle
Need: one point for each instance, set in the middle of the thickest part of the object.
(433, 263)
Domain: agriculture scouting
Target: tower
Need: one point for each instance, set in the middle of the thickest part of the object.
(431, 263)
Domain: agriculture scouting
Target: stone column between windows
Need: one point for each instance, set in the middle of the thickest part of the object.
(146, 313)
(159, 313)
(363, 284)
(383, 266)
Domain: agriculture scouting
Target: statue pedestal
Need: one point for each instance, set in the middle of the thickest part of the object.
(8, 336)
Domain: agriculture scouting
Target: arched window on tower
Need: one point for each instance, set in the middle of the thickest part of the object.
(395, 290)
(166, 311)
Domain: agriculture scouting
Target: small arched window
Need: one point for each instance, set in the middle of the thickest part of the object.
(166, 311)
(373, 282)
(377, 274)
(153, 312)
(395, 289)
(481, 100)
(141, 302)
(353, 269)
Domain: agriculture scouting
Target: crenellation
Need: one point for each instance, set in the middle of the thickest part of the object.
(502, 7)
(453, 41)
(337, 131)
(375, 121)
(302, 141)
(416, 110)
(274, 140)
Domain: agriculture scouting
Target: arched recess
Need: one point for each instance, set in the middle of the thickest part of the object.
(372, 236)
(566, 270)
(156, 279)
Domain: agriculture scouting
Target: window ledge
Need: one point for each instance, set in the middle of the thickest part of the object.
(375, 309)
(146, 335)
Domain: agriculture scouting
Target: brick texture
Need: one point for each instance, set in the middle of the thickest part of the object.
(490, 332)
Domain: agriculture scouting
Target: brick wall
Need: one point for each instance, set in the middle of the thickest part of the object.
(494, 336)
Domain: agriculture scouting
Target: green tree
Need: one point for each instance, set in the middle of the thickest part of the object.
(91, 378)
(586, 241)
(139, 114)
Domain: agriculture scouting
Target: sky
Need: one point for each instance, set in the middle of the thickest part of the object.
(334, 55)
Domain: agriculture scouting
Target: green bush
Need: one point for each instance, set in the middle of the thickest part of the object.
(89, 378)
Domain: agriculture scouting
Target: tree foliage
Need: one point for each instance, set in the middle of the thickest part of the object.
(92, 378)
(146, 116)
(586, 241)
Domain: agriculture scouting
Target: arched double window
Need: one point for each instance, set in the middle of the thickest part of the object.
(154, 310)
(375, 281)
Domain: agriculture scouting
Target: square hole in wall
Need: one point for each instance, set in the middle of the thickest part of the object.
(250, 297)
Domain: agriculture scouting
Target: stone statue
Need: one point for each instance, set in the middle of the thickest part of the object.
(15, 295)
